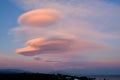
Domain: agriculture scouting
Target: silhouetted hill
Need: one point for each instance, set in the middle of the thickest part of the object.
(8, 71)
(38, 76)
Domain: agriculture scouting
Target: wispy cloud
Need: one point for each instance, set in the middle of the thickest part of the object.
(71, 27)
(93, 19)
(61, 46)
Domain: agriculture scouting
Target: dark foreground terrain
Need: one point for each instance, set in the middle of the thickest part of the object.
(35, 76)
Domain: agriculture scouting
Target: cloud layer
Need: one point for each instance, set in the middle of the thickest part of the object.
(79, 18)
(39, 17)
(60, 46)
(78, 31)
(46, 46)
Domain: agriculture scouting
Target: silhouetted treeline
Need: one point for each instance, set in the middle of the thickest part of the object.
(38, 76)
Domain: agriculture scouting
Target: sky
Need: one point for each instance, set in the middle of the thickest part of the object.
(73, 36)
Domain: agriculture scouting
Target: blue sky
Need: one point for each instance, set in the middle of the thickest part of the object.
(90, 27)
(9, 13)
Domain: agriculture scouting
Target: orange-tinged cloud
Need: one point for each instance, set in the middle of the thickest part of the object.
(27, 50)
(61, 42)
(45, 46)
(60, 46)
(39, 17)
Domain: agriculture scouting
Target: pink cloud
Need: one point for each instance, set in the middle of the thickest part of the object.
(61, 45)
(84, 22)
(42, 46)
(27, 50)
(39, 17)
(84, 64)
(24, 63)
(97, 63)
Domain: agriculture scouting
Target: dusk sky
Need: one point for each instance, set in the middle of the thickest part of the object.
(74, 36)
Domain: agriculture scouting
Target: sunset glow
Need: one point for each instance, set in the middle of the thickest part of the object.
(78, 36)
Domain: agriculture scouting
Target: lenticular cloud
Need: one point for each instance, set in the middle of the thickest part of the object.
(60, 46)
(39, 17)
(77, 20)
(45, 46)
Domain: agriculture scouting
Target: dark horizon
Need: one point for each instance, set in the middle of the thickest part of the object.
(81, 73)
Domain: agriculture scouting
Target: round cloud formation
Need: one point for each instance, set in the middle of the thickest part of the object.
(44, 46)
(39, 17)
(27, 50)
(60, 46)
